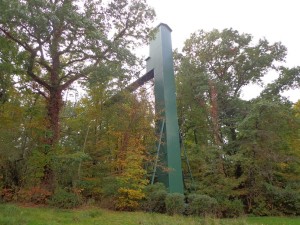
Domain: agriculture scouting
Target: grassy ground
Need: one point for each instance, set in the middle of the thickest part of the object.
(16, 215)
(274, 220)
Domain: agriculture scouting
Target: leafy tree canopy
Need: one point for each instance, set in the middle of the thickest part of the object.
(66, 40)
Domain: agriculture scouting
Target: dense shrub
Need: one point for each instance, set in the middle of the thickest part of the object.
(232, 208)
(65, 199)
(36, 195)
(175, 203)
(91, 189)
(7, 194)
(260, 207)
(108, 202)
(154, 200)
(283, 200)
(111, 186)
(202, 205)
(128, 199)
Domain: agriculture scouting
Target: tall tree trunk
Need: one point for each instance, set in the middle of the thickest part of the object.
(54, 106)
(214, 113)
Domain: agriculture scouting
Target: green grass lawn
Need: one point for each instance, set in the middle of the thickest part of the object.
(274, 220)
(17, 215)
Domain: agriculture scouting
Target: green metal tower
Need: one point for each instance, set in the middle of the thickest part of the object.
(160, 62)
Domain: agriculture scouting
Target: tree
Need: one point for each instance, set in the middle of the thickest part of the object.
(216, 65)
(268, 139)
(67, 40)
(289, 78)
(225, 62)
(21, 130)
(8, 54)
(18, 106)
(117, 139)
(211, 72)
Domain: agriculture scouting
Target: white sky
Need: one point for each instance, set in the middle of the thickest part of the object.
(276, 20)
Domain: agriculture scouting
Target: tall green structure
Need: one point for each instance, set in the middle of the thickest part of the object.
(160, 62)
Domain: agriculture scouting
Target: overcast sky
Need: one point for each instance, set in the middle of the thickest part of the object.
(276, 20)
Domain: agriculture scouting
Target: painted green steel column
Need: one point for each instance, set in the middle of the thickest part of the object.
(161, 61)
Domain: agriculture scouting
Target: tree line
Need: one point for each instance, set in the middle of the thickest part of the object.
(243, 154)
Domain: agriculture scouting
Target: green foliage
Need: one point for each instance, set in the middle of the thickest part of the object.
(289, 78)
(247, 150)
(118, 149)
(155, 196)
(175, 204)
(129, 199)
(283, 200)
(266, 136)
(21, 129)
(91, 189)
(202, 205)
(45, 57)
(235, 145)
(37, 160)
(66, 167)
(232, 208)
(65, 199)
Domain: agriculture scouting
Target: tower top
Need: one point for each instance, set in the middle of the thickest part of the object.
(165, 25)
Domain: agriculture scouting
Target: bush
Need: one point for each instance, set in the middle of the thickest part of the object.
(91, 189)
(260, 207)
(111, 186)
(155, 196)
(7, 195)
(65, 199)
(175, 203)
(202, 205)
(36, 195)
(128, 199)
(108, 203)
(283, 200)
(232, 208)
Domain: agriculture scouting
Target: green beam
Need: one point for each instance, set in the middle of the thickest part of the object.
(161, 62)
